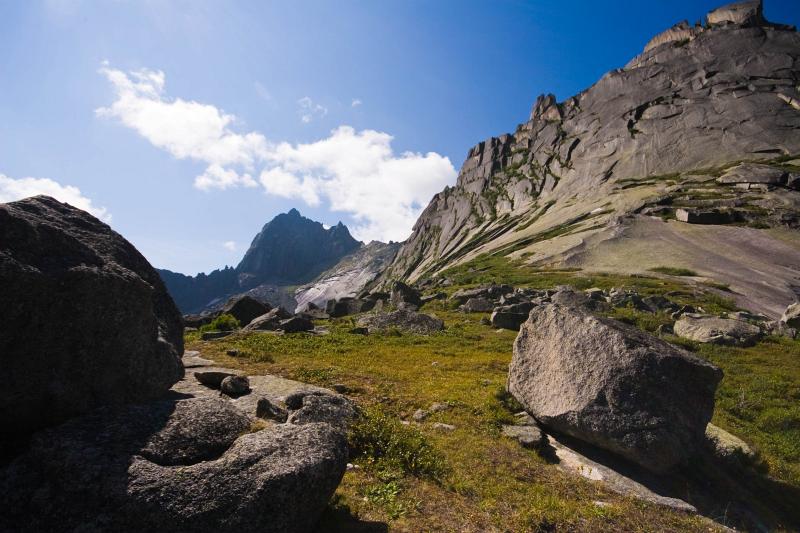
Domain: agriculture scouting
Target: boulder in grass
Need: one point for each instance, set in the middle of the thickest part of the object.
(715, 330)
(405, 296)
(86, 320)
(612, 385)
(245, 309)
(402, 319)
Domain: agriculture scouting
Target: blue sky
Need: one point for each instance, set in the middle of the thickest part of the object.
(189, 124)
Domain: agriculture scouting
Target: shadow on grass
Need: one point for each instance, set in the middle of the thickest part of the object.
(735, 492)
(339, 518)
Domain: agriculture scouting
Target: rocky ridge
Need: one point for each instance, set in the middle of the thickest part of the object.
(289, 250)
(664, 133)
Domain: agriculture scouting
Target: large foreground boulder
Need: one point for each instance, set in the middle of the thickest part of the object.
(86, 319)
(402, 319)
(611, 385)
(186, 466)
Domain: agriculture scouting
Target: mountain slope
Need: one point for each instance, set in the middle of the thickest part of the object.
(351, 275)
(289, 250)
(643, 141)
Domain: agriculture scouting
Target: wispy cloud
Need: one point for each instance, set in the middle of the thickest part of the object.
(262, 92)
(354, 172)
(229, 245)
(356, 102)
(309, 110)
(16, 189)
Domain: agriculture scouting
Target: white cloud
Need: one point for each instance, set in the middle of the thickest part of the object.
(229, 245)
(16, 189)
(353, 172)
(217, 177)
(185, 129)
(309, 110)
(359, 174)
(356, 102)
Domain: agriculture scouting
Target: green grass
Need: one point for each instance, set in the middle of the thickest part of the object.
(674, 271)
(223, 322)
(473, 479)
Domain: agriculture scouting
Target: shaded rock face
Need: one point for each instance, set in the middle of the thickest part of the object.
(403, 319)
(405, 296)
(696, 98)
(612, 385)
(245, 309)
(86, 319)
(294, 249)
(348, 306)
(187, 466)
(289, 250)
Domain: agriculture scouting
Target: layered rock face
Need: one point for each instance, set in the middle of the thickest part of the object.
(609, 384)
(289, 250)
(646, 137)
(86, 320)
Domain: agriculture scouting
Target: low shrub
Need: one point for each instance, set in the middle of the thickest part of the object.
(224, 322)
(386, 444)
(674, 271)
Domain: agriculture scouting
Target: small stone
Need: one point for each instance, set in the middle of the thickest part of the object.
(235, 386)
(269, 411)
(438, 407)
(529, 436)
(420, 415)
(485, 382)
(440, 426)
(727, 445)
(233, 353)
(212, 379)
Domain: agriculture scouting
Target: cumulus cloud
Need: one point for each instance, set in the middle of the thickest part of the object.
(358, 173)
(185, 129)
(356, 102)
(309, 110)
(355, 172)
(229, 245)
(16, 189)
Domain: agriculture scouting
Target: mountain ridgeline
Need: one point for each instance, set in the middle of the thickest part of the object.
(289, 250)
(694, 141)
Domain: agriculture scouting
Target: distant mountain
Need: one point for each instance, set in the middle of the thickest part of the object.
(289, 250)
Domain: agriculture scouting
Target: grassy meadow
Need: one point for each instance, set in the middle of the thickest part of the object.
(414, 477)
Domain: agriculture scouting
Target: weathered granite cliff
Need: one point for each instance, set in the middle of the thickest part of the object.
(641, 169)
